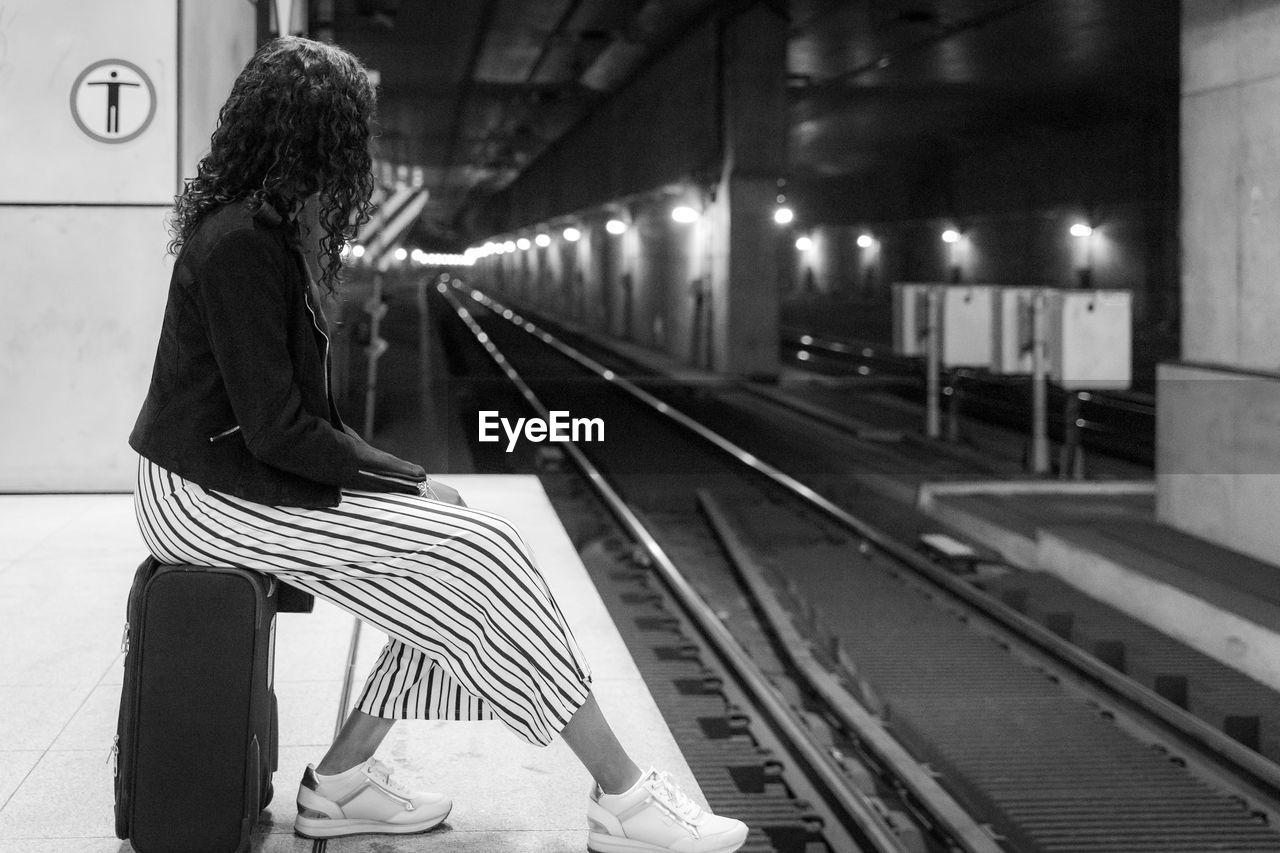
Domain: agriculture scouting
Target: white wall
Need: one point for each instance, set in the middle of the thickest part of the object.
(217, 40)
(1218, 453)
(1218, 457)
(82, 312)
(1230, 182)
(85, 273)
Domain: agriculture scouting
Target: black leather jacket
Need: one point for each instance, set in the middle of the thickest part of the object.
(239, 399)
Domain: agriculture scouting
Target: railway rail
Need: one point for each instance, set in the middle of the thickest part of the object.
(1119, 423)
(1014, 727)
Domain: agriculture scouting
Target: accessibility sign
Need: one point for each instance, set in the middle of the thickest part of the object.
(113, 101)
(89, 98)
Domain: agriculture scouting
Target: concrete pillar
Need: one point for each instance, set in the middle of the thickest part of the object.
(1218, 464)
(743, 297)
(84, 191)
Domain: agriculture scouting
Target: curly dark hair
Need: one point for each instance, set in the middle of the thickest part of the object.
(297, 121)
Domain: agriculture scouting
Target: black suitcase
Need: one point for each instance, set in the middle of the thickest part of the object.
(196, 740)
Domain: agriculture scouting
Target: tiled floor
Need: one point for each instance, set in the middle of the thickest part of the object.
(66, 562)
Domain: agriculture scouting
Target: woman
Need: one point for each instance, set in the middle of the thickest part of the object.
(245, 462)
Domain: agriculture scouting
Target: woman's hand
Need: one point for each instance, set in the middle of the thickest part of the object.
(444, 492)
(379, 471)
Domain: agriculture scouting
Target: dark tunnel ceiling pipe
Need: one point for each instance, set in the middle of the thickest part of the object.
(651, 29)
(944, 32)
(570, 10)
(468, 84)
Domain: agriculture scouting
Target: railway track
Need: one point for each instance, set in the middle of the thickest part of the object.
(1118, 423)
(1017, 728)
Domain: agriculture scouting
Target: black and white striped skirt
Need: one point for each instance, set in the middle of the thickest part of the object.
(475, 632)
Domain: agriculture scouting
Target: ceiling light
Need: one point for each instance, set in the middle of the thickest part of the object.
(523, 244)
(509, 246)
(1081, 230)
(402, 253)
(357, 251)
(865, 241)
(572, 234)
(951, 235)
(784, 215)
(804, 244)
(615, 226)
(685, 214)
(542, 240)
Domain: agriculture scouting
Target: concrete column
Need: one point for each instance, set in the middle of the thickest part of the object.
(743, 297)
(1218, 465)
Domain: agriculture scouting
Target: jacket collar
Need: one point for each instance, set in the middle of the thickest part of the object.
(267, 214)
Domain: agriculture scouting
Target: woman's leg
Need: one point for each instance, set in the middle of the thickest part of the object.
(589, 736)
(360, 737)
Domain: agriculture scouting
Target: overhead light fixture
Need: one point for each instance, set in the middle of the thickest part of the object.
(572, 234)
(615, 226)
(401, 253)
(523, 244)
(1080, 229)
(951, 235)
(784, 215)
(865, 241)
(543, 240)
(509, 246)
(804, 244)
(357, 251)
(684, 214)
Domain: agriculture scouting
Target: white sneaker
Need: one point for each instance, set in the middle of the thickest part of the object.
(655, 816)
(364, 799)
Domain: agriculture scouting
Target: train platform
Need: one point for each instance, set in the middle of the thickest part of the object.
(1104, 540)
(66, 563)
(1099, 536)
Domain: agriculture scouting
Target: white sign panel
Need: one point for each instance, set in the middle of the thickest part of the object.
(966, 325)
(88, 101)
(1090, 339)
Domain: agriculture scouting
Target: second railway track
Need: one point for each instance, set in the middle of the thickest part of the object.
(1045, 745)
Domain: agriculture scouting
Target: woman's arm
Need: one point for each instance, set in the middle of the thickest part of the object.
(246, 315)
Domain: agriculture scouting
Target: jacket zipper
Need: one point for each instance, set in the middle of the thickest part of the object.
(323, 334)
(390, 478)
(226, 432)
(315, 321)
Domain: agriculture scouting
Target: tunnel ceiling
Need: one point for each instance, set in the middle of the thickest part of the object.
(474, 90)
